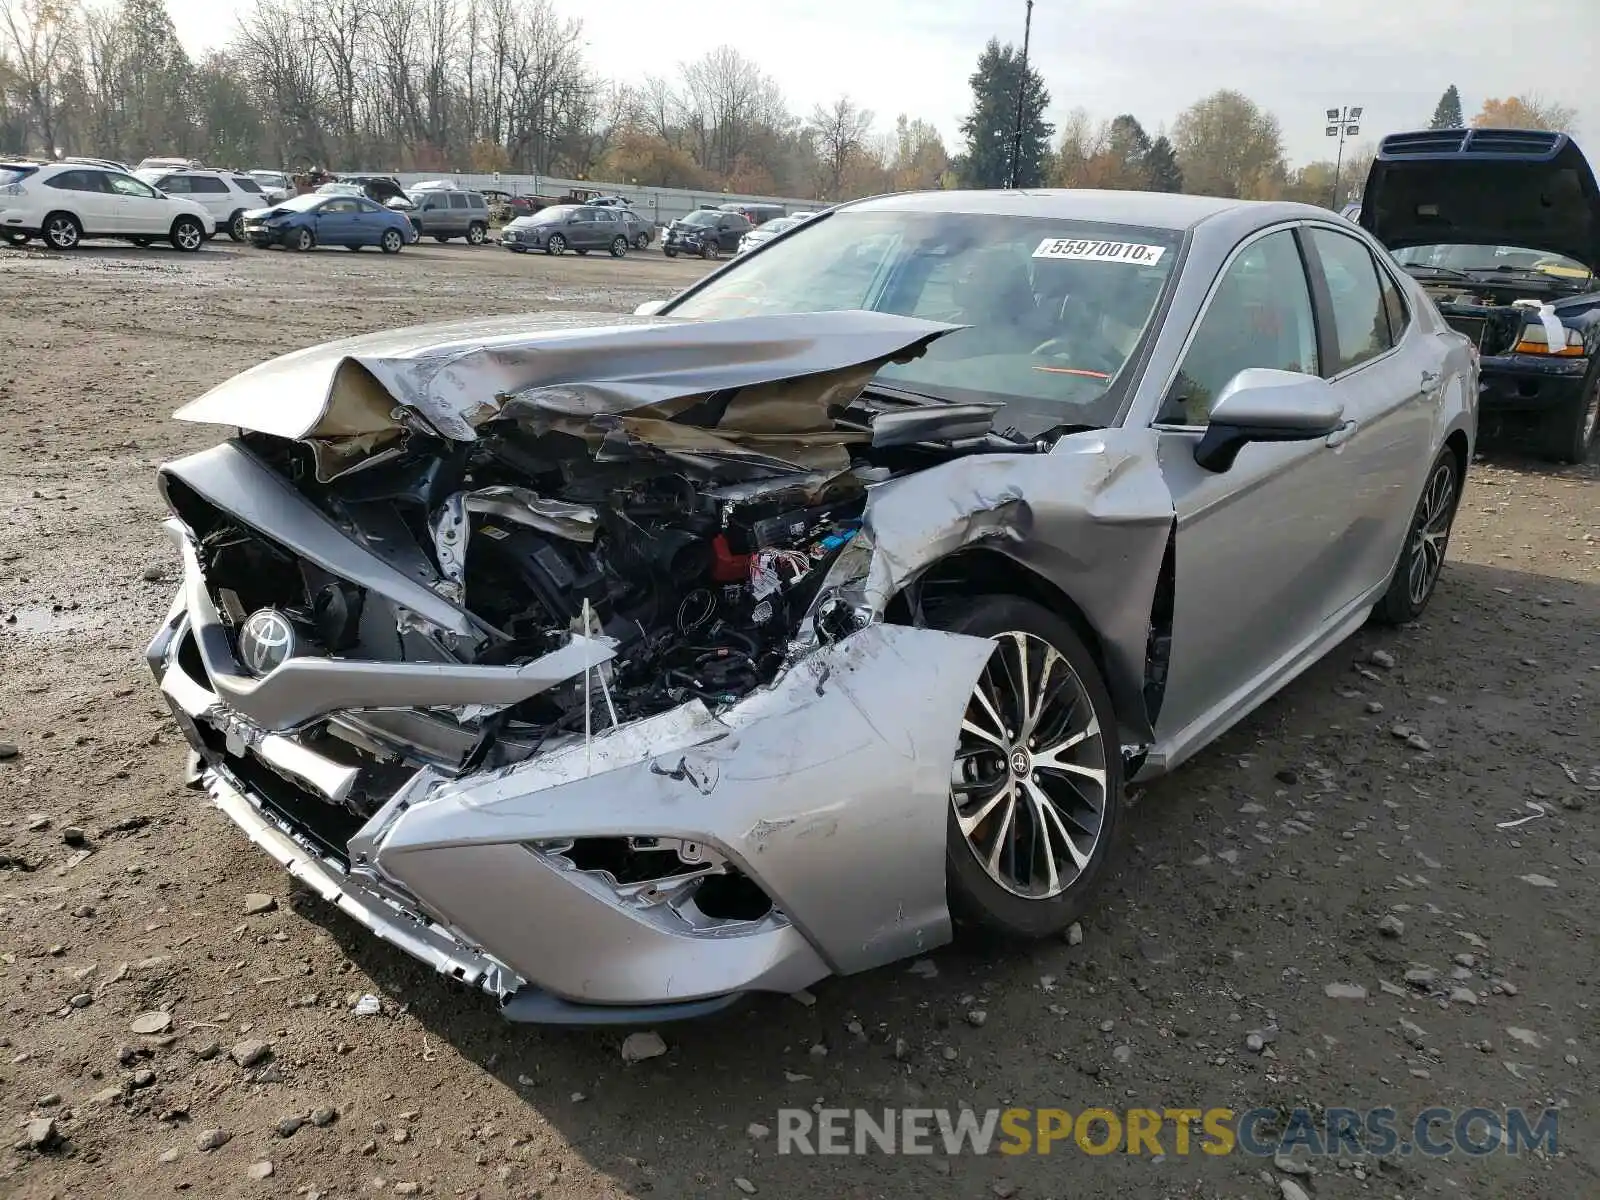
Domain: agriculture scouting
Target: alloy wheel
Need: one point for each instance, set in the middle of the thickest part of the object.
(1030, 775)
(189, 236)
(556, 245)
(1431, 535)
(62, 232)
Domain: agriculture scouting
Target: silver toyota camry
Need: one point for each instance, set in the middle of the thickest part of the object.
(623, 666)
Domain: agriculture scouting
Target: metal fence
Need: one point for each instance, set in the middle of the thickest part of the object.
(659, 203)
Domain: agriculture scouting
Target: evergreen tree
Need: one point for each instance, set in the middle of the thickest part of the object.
(1448, 113)
(990, 129)
(1162, 172)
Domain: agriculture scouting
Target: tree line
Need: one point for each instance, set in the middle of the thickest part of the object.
(505, 85)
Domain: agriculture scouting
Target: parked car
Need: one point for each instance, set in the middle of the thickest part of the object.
(756, 214)
(577, 227)
(109, 164)
(382, 188)
(445, 213)
(275, 185)
(306, 222)
(1502, 229)
(708, 232)
(999, 501)
(765, 233)
(168, 164)
(611, 201)
(63, 203)
(226, 195)
(640, 229)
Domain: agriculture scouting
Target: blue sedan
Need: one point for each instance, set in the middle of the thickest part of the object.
(305, 222)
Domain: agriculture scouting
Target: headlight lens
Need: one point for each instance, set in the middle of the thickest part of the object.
(1535, 339)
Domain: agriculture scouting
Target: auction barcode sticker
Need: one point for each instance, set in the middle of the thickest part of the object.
(1085, 250)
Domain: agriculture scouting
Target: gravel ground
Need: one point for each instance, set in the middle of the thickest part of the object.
(1349, 832)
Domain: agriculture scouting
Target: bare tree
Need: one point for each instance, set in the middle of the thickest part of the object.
(41, 43)
(840, 130)
(727, 100)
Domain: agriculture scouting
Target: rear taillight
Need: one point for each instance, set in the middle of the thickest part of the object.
(13, 189)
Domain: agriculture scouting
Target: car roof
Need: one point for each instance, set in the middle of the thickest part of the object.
(1159, 210)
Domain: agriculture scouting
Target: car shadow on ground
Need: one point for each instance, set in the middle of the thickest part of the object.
(1156, 949)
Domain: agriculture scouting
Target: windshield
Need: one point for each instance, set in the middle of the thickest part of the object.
(1055, 308)
(271, 179)
(1453, 257)
(302, 203)
(702, 216)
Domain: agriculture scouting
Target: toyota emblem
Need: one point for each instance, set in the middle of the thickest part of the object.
(266, 641)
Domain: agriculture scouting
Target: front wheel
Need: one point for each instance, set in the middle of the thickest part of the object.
(619, 247)
(556, 245)
(236, 226)
(188, 235)
(1427, 540)
(62, 231)
(15, 239)
(303, 240)
(141, 242)
(440, 238)
(641, 241)
(476, 234)
(1569, 431)
(669, 252)
(1036, 783)
(710, 250)
(392, 241)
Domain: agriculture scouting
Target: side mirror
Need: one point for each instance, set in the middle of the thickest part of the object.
(1262, 405)
(649, 308)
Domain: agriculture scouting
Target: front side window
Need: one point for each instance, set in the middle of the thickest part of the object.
(175, 185)
(1258, 316)
(127, 185)
(1360, 320)
(1055, 308)
(342, 205)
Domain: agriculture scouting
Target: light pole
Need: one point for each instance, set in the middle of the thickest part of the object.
(1342, 123)
(1022, 96)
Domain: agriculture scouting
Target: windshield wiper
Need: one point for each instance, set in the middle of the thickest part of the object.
(1448, 272)
(892, 391)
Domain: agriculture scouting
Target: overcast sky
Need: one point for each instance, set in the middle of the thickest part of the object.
(1147, 57)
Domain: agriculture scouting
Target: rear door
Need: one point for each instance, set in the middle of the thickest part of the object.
(87, 195)
(460, 214)
(213, 193)
(1389, 374)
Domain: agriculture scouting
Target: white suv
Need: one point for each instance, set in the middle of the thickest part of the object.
(63, 203)
(226, 195)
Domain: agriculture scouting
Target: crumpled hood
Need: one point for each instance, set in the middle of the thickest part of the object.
(1484, 187)
(344, 397)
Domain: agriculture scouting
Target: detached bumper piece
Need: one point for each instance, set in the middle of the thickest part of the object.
(1530, 383)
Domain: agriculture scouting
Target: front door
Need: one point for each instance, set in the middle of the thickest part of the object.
(143, 211)
(336, 222)
(1264, 550)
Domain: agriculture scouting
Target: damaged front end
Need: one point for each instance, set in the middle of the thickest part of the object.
(557, 658)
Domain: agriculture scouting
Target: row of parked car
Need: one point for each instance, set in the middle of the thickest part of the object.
(609, 223)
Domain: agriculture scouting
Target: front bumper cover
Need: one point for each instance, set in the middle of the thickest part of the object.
(828, 790)
(1532, 383)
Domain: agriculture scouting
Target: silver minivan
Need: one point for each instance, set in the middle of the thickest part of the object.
(445, 213)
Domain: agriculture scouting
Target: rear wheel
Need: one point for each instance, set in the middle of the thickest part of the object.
(1427, 540)
(1569, 432)
(62, 231)
(141, 242)
(619, 247)
(392, 241)
(1036, 784)
(476, 233)
(440, 238)
(188, 235)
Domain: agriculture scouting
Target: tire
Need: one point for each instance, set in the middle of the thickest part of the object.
(15, 239)
(710, 250)
(556, 245)
(1569, 432)
(236, 226)
(141, 242)
(440, 238)
(641, 241)
(476, 234)
(580, 253)
(302, 240)
(187, 235)
(619, 247)
(391, 241)
(61, 231)
(669, 253)
(1025, 885)
(1427, 536)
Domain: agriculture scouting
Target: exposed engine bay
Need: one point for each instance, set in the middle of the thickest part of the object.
(701, 572)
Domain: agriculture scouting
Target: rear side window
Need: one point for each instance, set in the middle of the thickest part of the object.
(207, 185)
(77, 181)
(476, 201)
(459, 202)
(11, 175)
(1360, 319)
(247, 185)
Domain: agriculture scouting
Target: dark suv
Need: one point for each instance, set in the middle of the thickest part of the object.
(708, 232)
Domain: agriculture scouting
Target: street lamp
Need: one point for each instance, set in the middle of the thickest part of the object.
(1022, 95)
(1342, 123)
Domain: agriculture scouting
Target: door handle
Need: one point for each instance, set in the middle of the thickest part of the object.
(1344, 433)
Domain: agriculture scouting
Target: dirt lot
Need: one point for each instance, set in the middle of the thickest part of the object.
(1252, 879)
